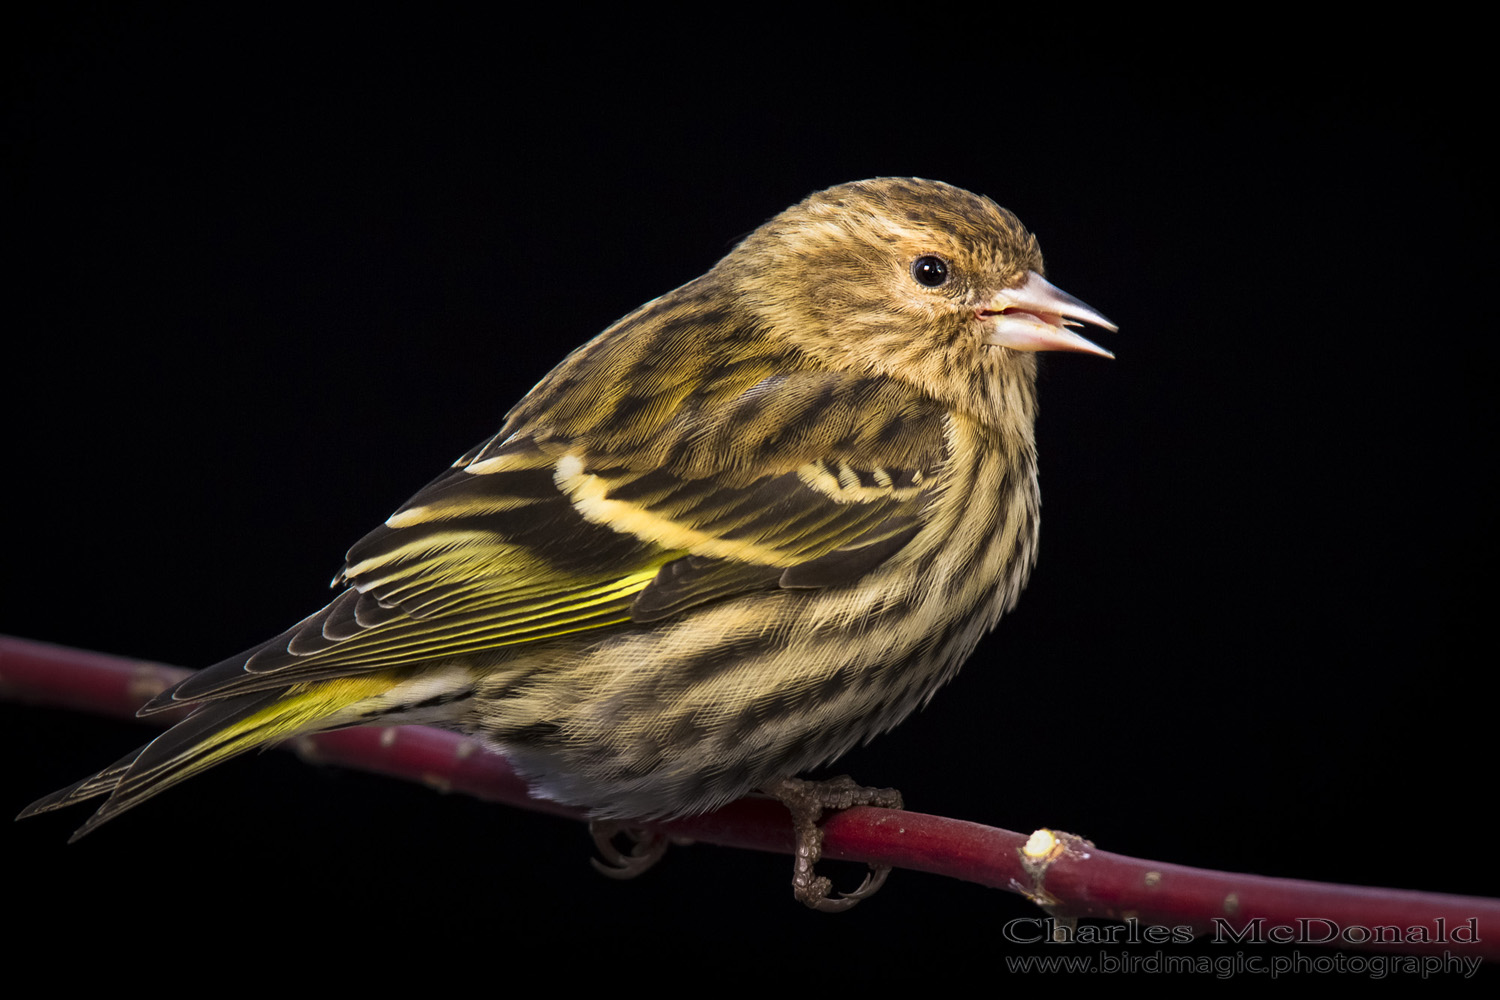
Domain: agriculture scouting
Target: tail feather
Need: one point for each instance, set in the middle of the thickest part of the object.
(211, 735)
(81, 791)
(229, 725)
(216, 731)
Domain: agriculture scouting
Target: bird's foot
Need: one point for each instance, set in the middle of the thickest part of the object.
(646, 848)
(808, 801)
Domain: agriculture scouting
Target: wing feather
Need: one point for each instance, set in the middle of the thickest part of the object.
(802, 479)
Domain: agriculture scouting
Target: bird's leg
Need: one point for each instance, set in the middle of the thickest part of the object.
(646, 848)
(808, 801)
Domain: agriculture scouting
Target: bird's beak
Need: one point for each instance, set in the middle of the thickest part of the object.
(1035, 316)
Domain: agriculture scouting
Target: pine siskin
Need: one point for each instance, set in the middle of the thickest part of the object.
(753, 523)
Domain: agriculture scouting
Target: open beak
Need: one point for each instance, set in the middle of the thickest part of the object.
(1035, 316)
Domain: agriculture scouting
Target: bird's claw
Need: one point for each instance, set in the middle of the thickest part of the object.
(646, 848)
(818, 894)
(807, 801)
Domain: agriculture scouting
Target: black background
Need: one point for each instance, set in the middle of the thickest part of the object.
(270, 274)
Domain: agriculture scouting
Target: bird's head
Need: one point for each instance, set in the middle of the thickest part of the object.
(911, 279)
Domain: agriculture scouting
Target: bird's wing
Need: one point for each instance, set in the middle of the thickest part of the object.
(803, 480)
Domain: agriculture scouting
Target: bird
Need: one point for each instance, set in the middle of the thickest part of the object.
(755, 522)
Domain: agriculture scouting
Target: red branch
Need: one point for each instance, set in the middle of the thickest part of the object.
(1064, 874)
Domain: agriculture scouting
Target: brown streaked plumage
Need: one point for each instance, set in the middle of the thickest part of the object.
(753, 523)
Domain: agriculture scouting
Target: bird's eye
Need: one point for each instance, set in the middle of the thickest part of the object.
(930, 271)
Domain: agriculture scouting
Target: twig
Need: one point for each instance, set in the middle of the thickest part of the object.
(1064, 874)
